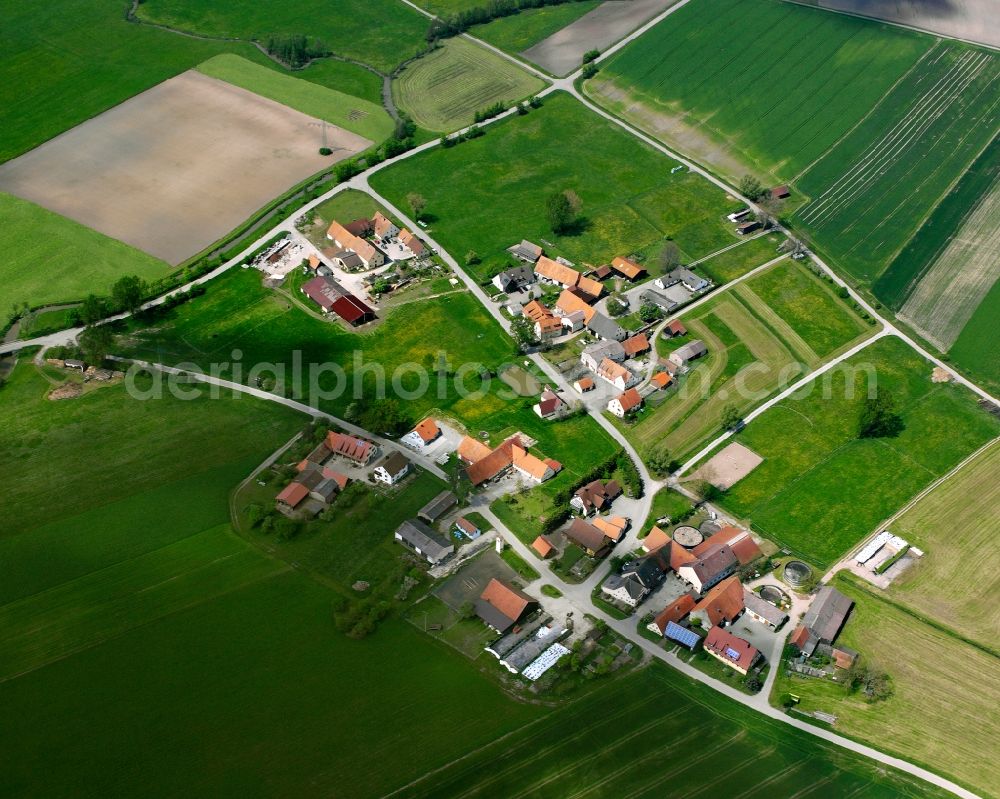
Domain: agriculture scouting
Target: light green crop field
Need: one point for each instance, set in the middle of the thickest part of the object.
(944, 702)
(351, 113)
(51, 259)
(761, 335)
(489, 193)
(956, 526)
(344, 77)
(382, 33)
(871, 124)
(736, 262)
(820, 489)
(443, 90)
(975, 349)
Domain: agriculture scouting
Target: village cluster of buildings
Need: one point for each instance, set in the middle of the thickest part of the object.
(485, 464)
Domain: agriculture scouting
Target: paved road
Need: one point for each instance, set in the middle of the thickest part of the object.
(580, 594)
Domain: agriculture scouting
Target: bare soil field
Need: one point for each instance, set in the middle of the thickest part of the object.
(562, 52)
(729, 466)
(175, 168)
(975, 20)
(949, 294)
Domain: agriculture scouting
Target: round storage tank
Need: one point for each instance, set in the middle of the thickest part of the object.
(688, 536)
(796, 572)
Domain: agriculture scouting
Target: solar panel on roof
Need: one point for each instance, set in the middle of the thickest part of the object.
(683, 636)
(732, 653)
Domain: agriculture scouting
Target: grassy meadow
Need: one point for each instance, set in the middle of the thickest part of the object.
(956, 526)
(348, 30)
(736, 262)
(761, 336)
(518, 32)
(53, 259)
(489, 193)
(368, 119)
(820, 489)
(944, 700)
(444, 89)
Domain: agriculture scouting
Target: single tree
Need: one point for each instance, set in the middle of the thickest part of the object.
(879, 417)
(650, 312)
(471, 258)
(731, 417)
(669, 258)
(417, 204)
(617, 307)
(466, 610)
(95, 343)
(750, 187)
(661, 462)
(92, 309)
(126, 293)
(561, 210)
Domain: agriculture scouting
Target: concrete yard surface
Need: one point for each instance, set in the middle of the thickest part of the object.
(175, 168)
(562, 52)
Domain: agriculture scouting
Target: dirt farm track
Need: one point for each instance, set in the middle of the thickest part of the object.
(175, 168)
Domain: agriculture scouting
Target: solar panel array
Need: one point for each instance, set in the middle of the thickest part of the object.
(732, 654)
(681, 635)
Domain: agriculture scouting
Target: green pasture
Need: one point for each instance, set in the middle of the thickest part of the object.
(518, 32)
(975, 351)
(382, 33)
(444, 89)
(820, 490)
(748, 255)
(51, 259)
(359, 116)
(490, 193)
(342, 76)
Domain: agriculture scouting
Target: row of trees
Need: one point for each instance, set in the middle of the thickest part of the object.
(461, 21)
(295, 50)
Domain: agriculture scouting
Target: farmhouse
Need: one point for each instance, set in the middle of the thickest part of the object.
(550, 405)
(616, 374)
(526, 251)
(709, 568)
(636, 345)
(594, 354)
(584, 384)
(661, 380)
(502, 606)
(391, 469)
(426, 432)
(691, 351)
(437, 507)
(672, 613)
(417, 536)
(722, 605)
(587, 537)
(357, 450)
(628, 269)
(655, 539)
(731, 650)
(739, 541)
(312, 490)
(550, 271)
(383, 227)
(603, 327)
(613, 527)
(763, 611)
(515, 279)
(548, 328)
(569, 304)
(690, 280)
(343, 238)
(636, 579)
(628, 402)
(595, 495)
(509, 455)
(467, 528)
(411, 242)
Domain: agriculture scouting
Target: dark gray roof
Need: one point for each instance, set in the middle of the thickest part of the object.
(327, 489)
(493, 617)
(658, 299)
(827, 613)
(716, 561)
(691, 350)
(763, 608)
(602, 326)
(632, 585)
(393, 463)
(419, 535)
(605, 349)
(438, 506)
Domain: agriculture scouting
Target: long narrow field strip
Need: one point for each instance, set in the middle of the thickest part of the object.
(949, 294)
(443, 90)
(770, 93)
(957, 526)
(797, 344)
(820, 489)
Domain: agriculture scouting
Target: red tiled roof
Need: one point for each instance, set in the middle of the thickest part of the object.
(719, 641)
(655, 539)
(585, 383)
(350, 447)
(629, 269)
(465, 525)
(677, 328)
(509, 601)
(351, 309)
(636, 345)
(553, 270)
(674, 612)
(630, 399)
(592, 288)
(542, 547)
(470, 450)
(337, 477)
(293, 494)
(662, 380)
(739, 541)
(428, 430)
(724, 603)
(799, 636)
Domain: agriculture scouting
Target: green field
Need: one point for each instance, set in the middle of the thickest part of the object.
(489, 193)
(378, 32)
(734, 263)
(76, 259)
(344, 77)
(820, 489)
(568, 753)
(956, 525)
(761, 336)
(872, 124)
(518, 32)
(944, 700)
(444, 89)
(771, 94)
(975, 350)
(351, 113)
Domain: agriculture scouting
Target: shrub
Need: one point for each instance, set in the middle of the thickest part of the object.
(325, 151)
